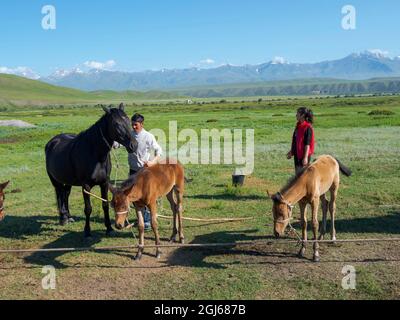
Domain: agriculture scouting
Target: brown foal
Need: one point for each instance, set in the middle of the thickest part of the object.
(143, 190)
(310, 187)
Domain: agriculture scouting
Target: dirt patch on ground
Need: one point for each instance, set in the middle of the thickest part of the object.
(8, 140)
(116, 276)
(16, 123)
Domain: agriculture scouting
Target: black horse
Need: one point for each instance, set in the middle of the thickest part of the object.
(84, 160)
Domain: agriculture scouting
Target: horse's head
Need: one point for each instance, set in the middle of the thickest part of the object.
(281, 213)
(120, 202)
(2, 197)
(119, 127)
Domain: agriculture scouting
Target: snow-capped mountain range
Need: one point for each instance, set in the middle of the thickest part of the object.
(356, 66)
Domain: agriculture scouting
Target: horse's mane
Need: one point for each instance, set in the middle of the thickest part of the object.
(293, 180)
(90, 130)
(129, 183)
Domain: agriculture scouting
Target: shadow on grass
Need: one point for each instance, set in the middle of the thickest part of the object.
(19, 228)
(196, 257)
(22, 228)
(389, 224)
(69, 240)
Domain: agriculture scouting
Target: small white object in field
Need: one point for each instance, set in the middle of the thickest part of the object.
(16, 123)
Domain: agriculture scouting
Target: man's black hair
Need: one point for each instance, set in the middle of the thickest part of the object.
(137, 118)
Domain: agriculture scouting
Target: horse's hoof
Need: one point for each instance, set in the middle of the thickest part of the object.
(172, 240)
(71, 220)
(316, 258)
(63, 222)
(158, 255)
(138, 257)
(301, 253)
(182, 241)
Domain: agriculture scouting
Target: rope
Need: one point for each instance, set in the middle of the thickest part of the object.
(117, 167)
(199, 245)
(93, 195)
(207, 220)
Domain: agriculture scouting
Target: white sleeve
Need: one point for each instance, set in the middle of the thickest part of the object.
(116, 145)
(155, 146)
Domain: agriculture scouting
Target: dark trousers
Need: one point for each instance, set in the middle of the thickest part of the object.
(132, 172)
(298, 164)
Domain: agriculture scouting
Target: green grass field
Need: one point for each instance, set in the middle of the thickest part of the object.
(368, 206)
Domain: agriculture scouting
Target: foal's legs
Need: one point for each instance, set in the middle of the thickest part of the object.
(324, 204)
(303, 220)
(314, 208)
(170, 197)
(88, 210)
(154, 225)
(332, 209)
(106, 209)
(179, 198)
(140, 219)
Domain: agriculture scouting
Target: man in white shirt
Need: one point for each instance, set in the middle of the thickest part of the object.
(141, 158)
(146, 143)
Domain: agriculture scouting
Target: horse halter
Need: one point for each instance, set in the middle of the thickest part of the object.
(120, 213)
(290, 207)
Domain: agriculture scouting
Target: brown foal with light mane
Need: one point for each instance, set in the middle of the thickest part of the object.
(2, 197)
(143, 189)
(310, 187)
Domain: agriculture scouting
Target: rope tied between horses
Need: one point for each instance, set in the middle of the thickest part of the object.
(184, 218)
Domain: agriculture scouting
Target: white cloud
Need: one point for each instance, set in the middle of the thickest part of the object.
(20, 71)
(207, 61)
(100, 65)
(279, 60)
(203, 63)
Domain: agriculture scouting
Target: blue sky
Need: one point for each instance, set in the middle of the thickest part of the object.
(154, 34)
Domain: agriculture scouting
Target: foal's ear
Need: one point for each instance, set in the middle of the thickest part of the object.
(112, 189)
(4, 185)
(121, 107)
(271, 196)
(106, 109)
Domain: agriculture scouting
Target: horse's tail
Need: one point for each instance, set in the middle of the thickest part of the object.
(343, 169)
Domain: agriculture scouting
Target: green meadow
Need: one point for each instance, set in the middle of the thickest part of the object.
(363, 132)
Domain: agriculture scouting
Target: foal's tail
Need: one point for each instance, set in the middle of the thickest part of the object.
(343, 169)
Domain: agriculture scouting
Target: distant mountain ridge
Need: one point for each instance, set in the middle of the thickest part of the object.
(16, 90)
(357, 66)
(299, 87)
